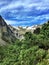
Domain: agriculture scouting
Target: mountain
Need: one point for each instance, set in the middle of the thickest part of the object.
(23, 30)
(20, 31)
(17, 32)
(9, 33)
(6, 34)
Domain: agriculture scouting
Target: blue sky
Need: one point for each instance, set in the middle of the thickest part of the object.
(24, 12)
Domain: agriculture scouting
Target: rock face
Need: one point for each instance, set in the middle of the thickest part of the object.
(23, 30)
(6, 33)
(16, 32)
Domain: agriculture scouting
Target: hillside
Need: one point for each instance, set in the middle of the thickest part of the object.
(5, 32)
(23, 30)
(33, 50)
(20, 31)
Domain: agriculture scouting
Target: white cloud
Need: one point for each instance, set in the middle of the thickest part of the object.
(28, 5)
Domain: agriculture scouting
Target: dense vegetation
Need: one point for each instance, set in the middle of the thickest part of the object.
(33, 50)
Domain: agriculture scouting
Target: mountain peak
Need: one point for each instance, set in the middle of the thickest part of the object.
(1, 17)
(6, 33)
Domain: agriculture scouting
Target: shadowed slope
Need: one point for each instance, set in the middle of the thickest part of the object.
(5, 32)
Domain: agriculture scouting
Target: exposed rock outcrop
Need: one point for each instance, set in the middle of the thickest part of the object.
(16, 32)
(6, 33)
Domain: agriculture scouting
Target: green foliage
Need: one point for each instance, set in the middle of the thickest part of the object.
(40, 54)
(33, 50)
(44, 62)
(37, 31)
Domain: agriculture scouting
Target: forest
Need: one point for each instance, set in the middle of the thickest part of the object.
(33, 50)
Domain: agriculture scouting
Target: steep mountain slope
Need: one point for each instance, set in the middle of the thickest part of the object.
(5, 32)
(17, 32)
(2, 42)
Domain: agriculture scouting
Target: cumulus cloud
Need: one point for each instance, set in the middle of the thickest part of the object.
(24, 12)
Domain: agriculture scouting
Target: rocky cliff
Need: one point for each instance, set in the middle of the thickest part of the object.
(6, 33)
